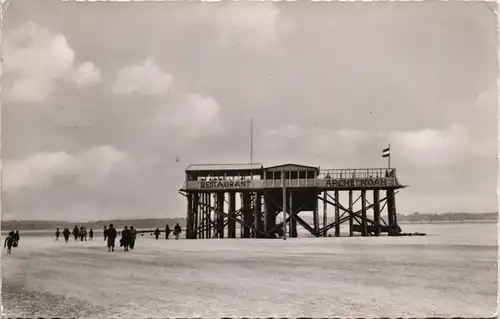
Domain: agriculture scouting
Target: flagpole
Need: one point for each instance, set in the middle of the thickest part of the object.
(389, 157)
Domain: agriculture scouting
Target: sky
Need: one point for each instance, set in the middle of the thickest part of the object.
(100, 99)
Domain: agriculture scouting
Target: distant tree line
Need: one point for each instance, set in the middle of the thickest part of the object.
(449, 217)
(149, 223)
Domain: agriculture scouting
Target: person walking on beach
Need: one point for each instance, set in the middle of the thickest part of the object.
(157, 233)
(85, 233)
(105, 233)
(219, 229)
(75, 232)
(16, 239)
(9, 242)
(133, 236)
(66, 234)
(57, 234)
(177, 231)
(81, 233)
(91, 234)
(125, 241)
(111, 238)
(167, 231)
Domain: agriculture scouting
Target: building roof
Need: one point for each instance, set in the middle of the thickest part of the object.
(224, 167)
(291, 167)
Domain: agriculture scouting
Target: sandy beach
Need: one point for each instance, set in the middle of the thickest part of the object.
(443, 274)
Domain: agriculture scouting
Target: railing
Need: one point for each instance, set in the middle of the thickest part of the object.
(223, 178)
(357, 173)
(327, 179)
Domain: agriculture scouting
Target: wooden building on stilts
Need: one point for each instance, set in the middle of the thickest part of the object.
(253, 201)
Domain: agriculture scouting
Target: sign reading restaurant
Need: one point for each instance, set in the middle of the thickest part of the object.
(356, 182)
(224, 184)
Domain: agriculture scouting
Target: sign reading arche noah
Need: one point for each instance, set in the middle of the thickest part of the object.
(356, 182)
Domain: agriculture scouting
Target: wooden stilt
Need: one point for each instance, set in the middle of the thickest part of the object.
(376, 211)
(351, 217)
(283, 206)
(337, 214)
(242, 214)
(189, 220)
(208, 223)
(231, 223)
(259, 222)
(316, 217)
(270, 214)
(247, 214)
(220, 220)
(364, 231)
(390, 209)
(325, 212)
(203, 217)
(196, 205)
(292, 215)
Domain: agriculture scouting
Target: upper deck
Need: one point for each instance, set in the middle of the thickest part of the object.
(254, 177)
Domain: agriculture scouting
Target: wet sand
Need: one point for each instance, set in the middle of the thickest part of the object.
(436, 275)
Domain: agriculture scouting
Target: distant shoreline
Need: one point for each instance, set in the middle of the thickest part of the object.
(479, 221)
(440, 222)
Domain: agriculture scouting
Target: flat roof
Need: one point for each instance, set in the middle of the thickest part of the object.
(290, 166)
(224, 167)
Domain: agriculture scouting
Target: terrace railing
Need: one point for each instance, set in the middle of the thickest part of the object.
(327, 178)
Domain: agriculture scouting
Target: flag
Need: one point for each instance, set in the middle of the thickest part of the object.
(386, 152)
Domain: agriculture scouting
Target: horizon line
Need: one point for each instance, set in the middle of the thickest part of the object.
(146, 218)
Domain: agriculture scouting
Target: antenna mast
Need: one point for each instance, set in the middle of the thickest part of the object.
(251, 141)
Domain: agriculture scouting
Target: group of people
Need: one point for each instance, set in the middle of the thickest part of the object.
(12, 240)
(127, 241)
(177, 231)
(82, 233)
(128, 235)
(77, 233)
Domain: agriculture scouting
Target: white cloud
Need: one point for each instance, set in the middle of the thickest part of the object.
(36, 171)
(195, 109)
(328, 146)
(190, 115)
(186, 112)
(29, 90)
(145, 78)
(36, 58)
(91, 167)
(285, 132)
(431, 148)
(249, 23)
(87, 74)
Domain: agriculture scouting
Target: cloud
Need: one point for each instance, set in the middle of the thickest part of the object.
(87, 74)
(330, 147)
(178, 110)
(431, 147)
(38, 90)
(36, 58)
(253, 24)
(188, 116)
(145, 78)
(91, 167)
(195, 109)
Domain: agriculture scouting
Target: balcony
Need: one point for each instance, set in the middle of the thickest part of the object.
(328, 179)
